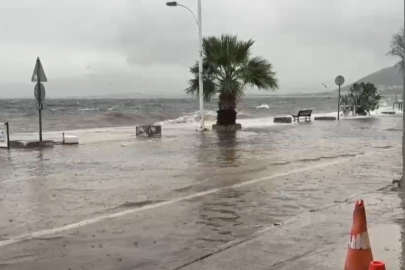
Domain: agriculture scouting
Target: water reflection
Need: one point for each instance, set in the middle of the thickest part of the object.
(38, 191)
(227, 148)
(219, 213)
(6, 171)
(218, 149)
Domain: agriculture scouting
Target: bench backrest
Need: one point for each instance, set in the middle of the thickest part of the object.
(305, 113)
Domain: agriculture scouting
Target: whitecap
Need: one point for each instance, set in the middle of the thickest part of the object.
(263, 106)
(190, 118)
(88, 109)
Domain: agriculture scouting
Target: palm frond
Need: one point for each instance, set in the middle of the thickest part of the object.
(210, 88)
(228, 67)
(259, 73)
(209, 85)
(242, 55)
(211, 49)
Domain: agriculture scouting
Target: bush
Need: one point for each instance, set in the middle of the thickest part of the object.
(365, 96)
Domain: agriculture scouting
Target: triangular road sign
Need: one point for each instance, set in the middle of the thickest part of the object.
(39, 70)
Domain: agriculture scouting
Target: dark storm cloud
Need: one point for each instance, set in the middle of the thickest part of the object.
(308, 42)
(156, 34)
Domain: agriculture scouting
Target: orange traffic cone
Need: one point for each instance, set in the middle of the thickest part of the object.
(376, 265)
(359, 255)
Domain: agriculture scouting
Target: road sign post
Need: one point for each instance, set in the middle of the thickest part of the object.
(340, 80)
(39, 109)
(7, 134)
(39, 91)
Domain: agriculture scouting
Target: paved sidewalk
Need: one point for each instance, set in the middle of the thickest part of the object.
(317, 240)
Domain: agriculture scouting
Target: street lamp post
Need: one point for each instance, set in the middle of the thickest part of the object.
(402, 181)
(200, 61)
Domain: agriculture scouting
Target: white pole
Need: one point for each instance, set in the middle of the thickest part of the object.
(403, 115)
(200, 62)
(338, 116)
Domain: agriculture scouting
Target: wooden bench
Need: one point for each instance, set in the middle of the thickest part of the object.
(303, 113)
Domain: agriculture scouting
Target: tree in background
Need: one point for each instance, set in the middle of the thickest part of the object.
(398, 48)
(365, 96)
(369, 97)
(227, 69)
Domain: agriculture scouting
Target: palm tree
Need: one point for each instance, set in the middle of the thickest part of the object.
(227, 69)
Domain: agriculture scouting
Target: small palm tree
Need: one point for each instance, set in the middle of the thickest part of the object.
(364, 96)
(227, 69)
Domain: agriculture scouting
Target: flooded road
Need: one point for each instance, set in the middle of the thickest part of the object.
(116, 202)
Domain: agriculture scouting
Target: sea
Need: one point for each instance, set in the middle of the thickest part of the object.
(71, 114)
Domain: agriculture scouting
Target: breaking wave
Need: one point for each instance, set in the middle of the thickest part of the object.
(190, 118)
(263, 106)
(88, 109)
(243, 115)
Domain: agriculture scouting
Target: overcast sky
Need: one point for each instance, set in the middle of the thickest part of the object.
(90, 47)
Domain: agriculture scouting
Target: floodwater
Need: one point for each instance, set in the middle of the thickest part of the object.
(117, 202)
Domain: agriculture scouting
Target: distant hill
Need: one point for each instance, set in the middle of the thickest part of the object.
(390, 76)
(388, 80)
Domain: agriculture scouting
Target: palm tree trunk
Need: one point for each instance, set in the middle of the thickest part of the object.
(226, 115)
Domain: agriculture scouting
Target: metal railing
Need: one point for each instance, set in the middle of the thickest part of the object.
(7, 127)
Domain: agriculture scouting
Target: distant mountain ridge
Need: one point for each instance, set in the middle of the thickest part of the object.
(390, 76)
(388, 80)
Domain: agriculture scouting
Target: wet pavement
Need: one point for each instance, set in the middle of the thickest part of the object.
(263, 198)
(317, 240)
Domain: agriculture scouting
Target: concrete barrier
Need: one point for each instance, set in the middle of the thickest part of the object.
(285, 119)
(227, 128)
(5, 136)
(70, 139)
(149, 131)
(31, 144)
(2, 136)
(325, 118)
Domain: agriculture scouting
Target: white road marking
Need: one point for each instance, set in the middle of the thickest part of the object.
(17, 180)
(82, 223)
